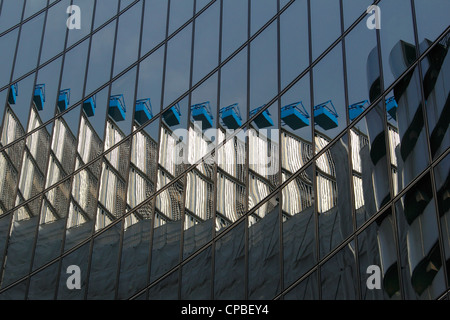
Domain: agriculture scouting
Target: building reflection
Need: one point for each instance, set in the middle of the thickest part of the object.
(101, 194)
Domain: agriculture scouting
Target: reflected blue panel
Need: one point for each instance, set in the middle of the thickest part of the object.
(172, 116)
(117, 107)
(295, 115)
(391, 107)
(143, 111)
(263, 120)
(39, 96)
(202, 112)
(89, 106)
(63, 99)
(356, 109)
(231, 116)
(325, 115)
(13, 92)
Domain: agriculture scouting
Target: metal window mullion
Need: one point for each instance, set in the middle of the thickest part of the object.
(326, 258)
(158, 147)
(361, 229)
(280, 155)
(196, 85)
(97, 30)
(22, 20)
(186, 93)
(93, 232)
(19, 167)
(427, 135)
(184, 175)
(60, 54)
(246, 170)
(320, 153)
(128, 162)
(344, 243)
(72, 178)
(6, 102)
(349, 155)
(216, 154)
(389, 162)
(313, 145)
(50, 146)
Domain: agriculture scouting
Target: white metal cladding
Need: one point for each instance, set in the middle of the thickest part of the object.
(198, 195)
(325, 162)
(113, 136)
(326, 193)
(171, 151)
(295, 152)
(263, 154)
(231, 204)
(297, 196)
(231, 156)
(258, 190)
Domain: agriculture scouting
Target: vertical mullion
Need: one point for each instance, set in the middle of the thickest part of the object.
(18, 41)
(349, 154)
(155, 181)
(13, 62)
(93, 236)
(76, 154)
(128, 162)
(21, 157)
(280, 175)
(184, 178)
(389, 162)
(216, 154)
(19, 168)
(313, 145)
(50, 146)
(246, 170)
(427, 135)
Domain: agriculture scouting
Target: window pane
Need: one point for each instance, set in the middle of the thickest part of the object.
(338, 275)
(377, 248)
(422, 275)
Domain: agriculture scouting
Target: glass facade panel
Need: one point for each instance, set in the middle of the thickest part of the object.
(375, 249)
(334, 205)
(423, 274)
(126, 149)
(442, 174)
(370, 173)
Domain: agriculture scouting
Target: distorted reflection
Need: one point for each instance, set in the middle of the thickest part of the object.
(230, 179)
(334, 201)
(370, 171)
(199, 201)
(18, 259)
(406, 124)
(84, 187)
(423, 274)
(264, 250)
(169, 203)
(376, 248)
(436, 67)
(442, 181)
(338, 276)
(299, 226)
(55, 206)
(269, 237)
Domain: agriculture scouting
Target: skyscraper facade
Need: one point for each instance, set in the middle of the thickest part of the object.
(224, 149)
